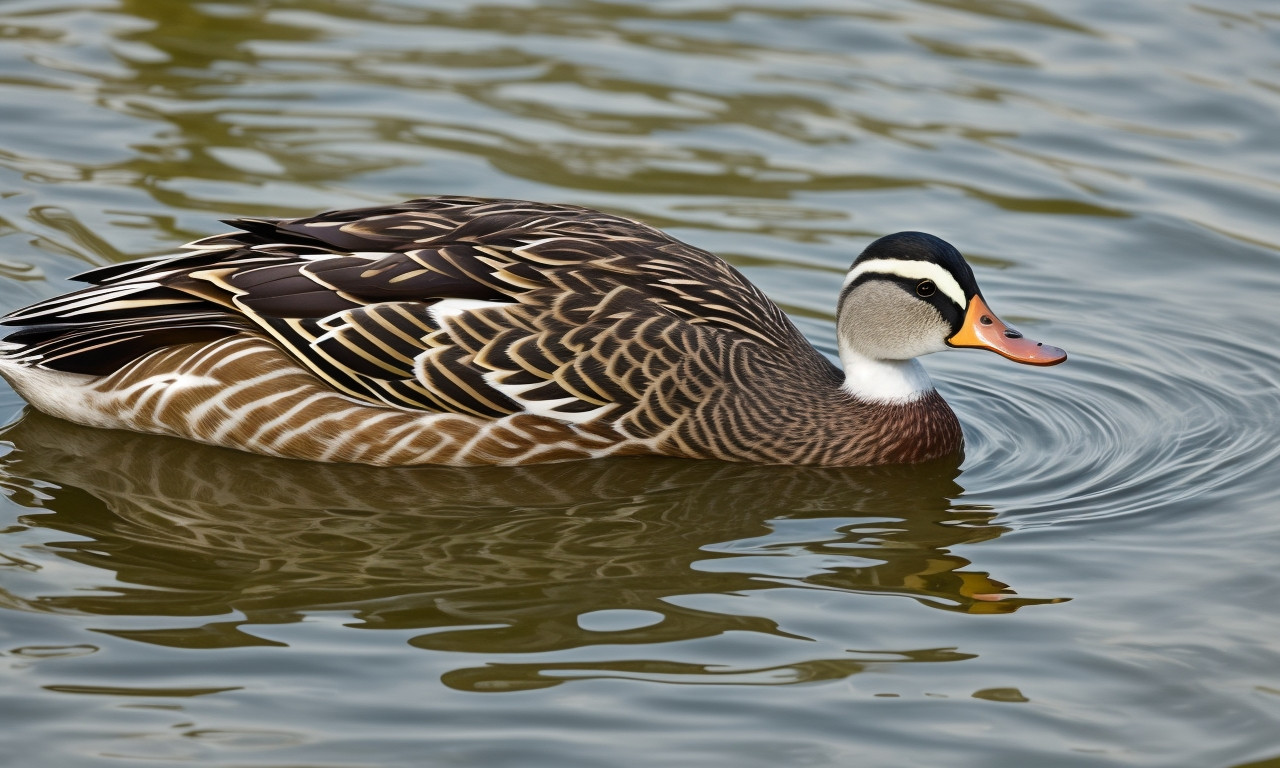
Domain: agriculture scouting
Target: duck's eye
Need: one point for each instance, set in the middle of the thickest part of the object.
(925, 288)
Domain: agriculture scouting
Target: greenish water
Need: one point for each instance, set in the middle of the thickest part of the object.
(1094, 585)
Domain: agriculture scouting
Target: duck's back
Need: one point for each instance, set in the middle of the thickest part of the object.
(477, 314)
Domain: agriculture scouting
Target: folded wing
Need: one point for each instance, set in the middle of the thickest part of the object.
(449, 304)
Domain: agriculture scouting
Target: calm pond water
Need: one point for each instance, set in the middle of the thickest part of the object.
(1094, 585)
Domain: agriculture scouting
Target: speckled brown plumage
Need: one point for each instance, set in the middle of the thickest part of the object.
(456, 331)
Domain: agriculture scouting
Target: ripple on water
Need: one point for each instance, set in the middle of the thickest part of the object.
(1131, 424)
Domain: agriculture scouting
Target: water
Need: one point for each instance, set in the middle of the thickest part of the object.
(1093, 585)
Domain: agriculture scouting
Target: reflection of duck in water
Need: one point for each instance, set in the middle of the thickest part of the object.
(465, 331)
(492, 558)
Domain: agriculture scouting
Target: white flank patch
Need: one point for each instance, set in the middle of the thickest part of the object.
(884, 381)
(454, 307)
(68, 396)
(911, 270)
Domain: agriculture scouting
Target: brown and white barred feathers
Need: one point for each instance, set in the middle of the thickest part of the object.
(466, 331)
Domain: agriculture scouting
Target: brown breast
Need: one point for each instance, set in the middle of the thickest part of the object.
(795, 411)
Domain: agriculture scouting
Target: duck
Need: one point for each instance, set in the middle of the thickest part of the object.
(472, 331)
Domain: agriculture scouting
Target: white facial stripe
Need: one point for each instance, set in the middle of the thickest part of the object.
(912, 270)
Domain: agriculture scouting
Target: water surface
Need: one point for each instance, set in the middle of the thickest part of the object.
(1093, 585)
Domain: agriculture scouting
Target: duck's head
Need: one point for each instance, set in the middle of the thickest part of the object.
(910, 294)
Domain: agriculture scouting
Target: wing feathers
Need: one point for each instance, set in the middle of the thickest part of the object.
(583, 314)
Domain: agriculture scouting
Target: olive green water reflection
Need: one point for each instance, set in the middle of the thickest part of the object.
(489, 561)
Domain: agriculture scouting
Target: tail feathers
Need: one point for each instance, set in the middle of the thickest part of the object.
(100, 349)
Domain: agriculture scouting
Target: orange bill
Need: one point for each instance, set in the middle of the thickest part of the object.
(984, 330)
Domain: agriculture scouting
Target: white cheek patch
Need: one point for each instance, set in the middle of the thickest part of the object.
(911, 270)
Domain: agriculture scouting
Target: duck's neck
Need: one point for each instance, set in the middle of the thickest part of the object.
(884, 382)
(888, 412)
